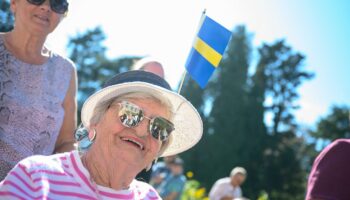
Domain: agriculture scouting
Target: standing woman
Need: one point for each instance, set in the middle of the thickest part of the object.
(37, 86)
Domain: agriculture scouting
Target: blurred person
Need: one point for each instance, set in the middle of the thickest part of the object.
(161, 170)
(150, 64)
(229, 188)
(37, 86)
(172, 186)
(329, 178)
(330, 175)
(134, 119)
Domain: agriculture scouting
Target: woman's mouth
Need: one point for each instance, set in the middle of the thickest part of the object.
(133, 142)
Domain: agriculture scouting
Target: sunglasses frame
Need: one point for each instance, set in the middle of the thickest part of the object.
(138, 116)
(64, 5)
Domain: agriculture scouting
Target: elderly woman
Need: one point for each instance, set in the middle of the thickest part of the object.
(37, 86)
(132, 121)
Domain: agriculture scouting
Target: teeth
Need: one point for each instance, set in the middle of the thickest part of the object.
(42, 18)
(133, 141)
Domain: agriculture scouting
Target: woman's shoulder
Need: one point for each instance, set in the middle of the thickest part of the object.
(140, 184)
(62, 60)
(144, 189)
(63, 67)
(59, 60)
(42, 162)
(338, 148)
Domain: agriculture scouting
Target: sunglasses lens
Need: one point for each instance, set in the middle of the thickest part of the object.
(161, 128)
(59, 6)
(36, 2)
(130, 115)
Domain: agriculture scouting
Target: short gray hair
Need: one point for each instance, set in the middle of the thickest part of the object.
(238, 170)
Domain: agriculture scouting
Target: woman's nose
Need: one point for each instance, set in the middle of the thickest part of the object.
(46, 5)
(142, 128)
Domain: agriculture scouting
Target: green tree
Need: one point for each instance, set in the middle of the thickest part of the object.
(89, 54)
(225, 142)
(228, 114)
(284, 173)
(283, 71)
(234, 139)
(335, 125)
(6, 17)
(278, 75)
(195, 158)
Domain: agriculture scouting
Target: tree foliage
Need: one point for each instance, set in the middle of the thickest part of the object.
(283, 74)
(89, 55)
(335, 125)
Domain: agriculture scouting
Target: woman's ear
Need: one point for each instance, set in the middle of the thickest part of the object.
(13, 4)
(148, 167)
(92, 134)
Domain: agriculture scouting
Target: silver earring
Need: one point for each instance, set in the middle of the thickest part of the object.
(82, 137)
(92, 139)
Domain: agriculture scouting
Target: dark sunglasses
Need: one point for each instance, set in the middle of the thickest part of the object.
(131, 115)
(58, 6)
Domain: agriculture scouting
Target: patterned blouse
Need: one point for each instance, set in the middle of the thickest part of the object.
(31, 112)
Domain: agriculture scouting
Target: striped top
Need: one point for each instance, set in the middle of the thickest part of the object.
(63, 176)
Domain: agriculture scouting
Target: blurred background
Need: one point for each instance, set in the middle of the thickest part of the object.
(279, 96)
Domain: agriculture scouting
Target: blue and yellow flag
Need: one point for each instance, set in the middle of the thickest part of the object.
(207, 50)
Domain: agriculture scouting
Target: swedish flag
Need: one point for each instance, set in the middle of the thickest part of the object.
(207, 50)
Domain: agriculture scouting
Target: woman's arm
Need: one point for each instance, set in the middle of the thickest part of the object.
(65, 141)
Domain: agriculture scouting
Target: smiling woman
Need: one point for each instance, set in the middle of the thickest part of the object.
(38, 86)
(134, 119)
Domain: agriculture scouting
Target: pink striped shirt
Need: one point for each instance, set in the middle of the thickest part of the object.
(63, 176)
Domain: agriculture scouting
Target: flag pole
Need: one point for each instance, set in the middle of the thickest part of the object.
(182, 81)
(185, 72)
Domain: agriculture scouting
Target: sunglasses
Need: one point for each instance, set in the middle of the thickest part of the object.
(131, 115)
(58, 6)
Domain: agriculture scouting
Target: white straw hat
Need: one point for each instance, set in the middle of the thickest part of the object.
(188, 123)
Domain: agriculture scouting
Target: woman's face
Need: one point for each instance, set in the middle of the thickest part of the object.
(133, 145)
(36, 19)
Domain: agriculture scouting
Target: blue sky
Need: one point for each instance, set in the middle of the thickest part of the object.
(319, 29)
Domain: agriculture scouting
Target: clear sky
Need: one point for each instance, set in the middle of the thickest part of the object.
(320, 29)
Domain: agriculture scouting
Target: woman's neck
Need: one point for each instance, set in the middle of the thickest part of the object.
(112, 174)
(26, 47)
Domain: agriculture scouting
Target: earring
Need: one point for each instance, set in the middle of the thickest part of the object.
(92, 139)
(80, 133)
(82, 137)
